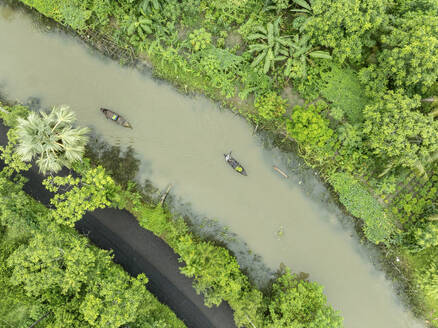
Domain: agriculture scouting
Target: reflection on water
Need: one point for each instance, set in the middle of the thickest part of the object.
(181, 140)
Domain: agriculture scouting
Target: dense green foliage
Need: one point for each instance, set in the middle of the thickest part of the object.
(359, 202)
(86, 193)
(49, 270)
(375, 129)
(270, 108)
(307, 126)
(296, 303)
(57, 267)
(399, 134)
(348, 27)
(342, 88)
(218, 277)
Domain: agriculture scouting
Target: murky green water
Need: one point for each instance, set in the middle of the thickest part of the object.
(181, 140)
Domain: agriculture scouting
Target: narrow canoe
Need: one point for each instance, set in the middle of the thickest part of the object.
(235, 164)
(113, 116)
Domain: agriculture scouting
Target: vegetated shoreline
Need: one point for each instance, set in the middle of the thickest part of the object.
(100, 224)
(216, 272)
(388, 258)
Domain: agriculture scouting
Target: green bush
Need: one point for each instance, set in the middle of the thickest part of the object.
(409, 56)
(199, 39)
(307, 126)
(299, 303)
(427, 236)
(427, 278)
(359, 202)
(46, 268)
(270, 107)
(74, 13)
(349, 27)
(341, 86)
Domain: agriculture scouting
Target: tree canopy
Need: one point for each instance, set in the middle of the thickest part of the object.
(398, 133)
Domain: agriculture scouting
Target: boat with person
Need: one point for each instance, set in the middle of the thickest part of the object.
(113, 116)
(235, 164)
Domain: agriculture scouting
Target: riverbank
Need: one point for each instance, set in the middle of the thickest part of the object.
(138, 251)
(216, 273)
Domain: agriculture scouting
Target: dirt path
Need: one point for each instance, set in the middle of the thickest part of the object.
(140, 251)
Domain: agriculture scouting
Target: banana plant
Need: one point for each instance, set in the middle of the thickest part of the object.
(305, 7)
(300, 52)
(139, 29)
(272, 46)
(146, 5)
(303, 14)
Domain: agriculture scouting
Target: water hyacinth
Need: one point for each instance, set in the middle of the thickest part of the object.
(51, 139)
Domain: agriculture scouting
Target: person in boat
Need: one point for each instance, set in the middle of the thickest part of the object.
(234, 164)
(114, 117)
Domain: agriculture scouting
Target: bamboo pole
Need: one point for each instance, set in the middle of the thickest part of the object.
(163, 198)
(280, 171)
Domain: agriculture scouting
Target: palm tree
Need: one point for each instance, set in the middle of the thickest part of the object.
(51, 139)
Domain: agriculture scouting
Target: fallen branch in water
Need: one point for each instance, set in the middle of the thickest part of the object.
(280, 171)
(163, 198)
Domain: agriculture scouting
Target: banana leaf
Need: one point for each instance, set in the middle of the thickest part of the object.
(284, 52)
(258, 59)
(146, 28)
(268, 59)
(270, 34)
(261, 29)
(276, 48)
(301, 11)
(256, 36)
(288, 68)
(284, 41)
(276, 29)
(320, 54)
(257, 47)
(303, 4)
(280, 58)
(131, 28)
(141, 33)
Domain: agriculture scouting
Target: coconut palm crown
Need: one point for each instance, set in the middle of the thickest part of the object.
(51, 139)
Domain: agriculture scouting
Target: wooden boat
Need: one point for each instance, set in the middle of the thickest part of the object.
(234, 164)
(109, 114)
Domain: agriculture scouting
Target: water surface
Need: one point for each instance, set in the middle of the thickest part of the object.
(181, 140)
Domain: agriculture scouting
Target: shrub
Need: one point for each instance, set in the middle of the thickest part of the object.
(298, 303)
(359, 202)
(427, 278)
(342, 87)
(427, 236)
(270, 107)
(307, 126)
(346, 26)
(199, 39)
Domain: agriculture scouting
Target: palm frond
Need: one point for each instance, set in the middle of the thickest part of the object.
(51, 139)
